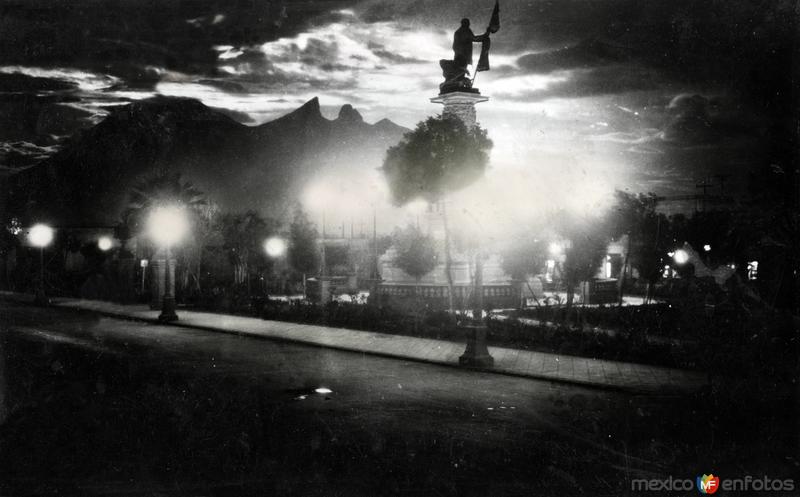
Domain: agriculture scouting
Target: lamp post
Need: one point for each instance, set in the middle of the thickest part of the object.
(41, 235)
(167, 225)
(275, 247)
(143, 265)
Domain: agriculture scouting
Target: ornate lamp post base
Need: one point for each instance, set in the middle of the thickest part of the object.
(477, 354)
(41, 299)
(168, 311)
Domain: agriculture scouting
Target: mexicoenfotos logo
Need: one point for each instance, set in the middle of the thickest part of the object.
(707, 484)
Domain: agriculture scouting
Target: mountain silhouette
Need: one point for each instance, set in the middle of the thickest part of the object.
(239, 167)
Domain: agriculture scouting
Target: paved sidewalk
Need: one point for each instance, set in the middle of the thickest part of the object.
(539, 365)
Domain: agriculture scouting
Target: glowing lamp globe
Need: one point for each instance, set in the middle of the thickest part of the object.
(680, 256)
(275, 247)
(105, 243)
(167, 225)
(40, 235)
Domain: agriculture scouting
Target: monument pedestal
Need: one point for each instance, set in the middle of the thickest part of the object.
(460, 104)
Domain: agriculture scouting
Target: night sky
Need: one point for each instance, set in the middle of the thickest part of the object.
(585, 95)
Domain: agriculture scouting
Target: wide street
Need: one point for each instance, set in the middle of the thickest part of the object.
(99, 406)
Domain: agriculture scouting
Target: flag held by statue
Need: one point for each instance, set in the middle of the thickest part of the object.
(494, 26)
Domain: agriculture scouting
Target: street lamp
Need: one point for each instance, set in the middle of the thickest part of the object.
(680, 256)
(105, 243)
(40, 235)
(167, 225)
(275, 247)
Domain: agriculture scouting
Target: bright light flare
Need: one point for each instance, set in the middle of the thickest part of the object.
(275, 247)
(40, 235)
(105, 243)
(555, 248)
(168, 225)
(680, 256)
(323, 390)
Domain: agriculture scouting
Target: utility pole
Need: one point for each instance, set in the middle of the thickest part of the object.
(705, 185)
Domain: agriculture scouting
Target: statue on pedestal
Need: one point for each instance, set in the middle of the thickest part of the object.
(455, 72)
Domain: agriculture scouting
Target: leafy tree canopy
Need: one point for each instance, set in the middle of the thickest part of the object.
(243, 236)
(303, 253)
(416, 252)
(524, 256)
(588, 242)
(440, 155)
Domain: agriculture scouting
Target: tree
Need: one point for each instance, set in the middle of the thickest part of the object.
(416, 255)
(160, 188)
(416, 252)
(441, 155)
(587, 245)
(243, 236)
(523, 257)
(647, 233)
(303, 253)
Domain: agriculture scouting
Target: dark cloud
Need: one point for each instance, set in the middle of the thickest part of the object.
(598, 81)
(696, 120)
(227, 86)
(586, 54)
(17, 82)
(690, 122)
(124, 38)
(395, 58)
(35, 118)
(21, 154)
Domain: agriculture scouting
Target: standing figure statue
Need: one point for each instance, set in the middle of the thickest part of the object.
(455, 72)
(463, 39)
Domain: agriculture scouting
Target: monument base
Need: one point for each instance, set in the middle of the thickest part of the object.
(460, 104)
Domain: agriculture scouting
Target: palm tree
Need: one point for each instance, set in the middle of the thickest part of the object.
(161, 188)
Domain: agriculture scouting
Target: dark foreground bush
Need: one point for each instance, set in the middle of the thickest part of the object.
(437, 324)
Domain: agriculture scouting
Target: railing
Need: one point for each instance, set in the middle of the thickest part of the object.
(436, 296)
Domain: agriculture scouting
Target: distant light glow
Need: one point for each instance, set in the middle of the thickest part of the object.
(275, 246)
(143, 263)
(40, 235)
(555, 248)
(551, 268)
(681, 256)
(323, 390)
(105, 243)
(707, 247)
(167, 225)
(752, 270)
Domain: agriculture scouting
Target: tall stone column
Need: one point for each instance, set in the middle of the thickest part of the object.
(462, 105)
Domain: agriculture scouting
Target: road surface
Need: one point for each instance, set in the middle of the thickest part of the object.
(101, 406)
